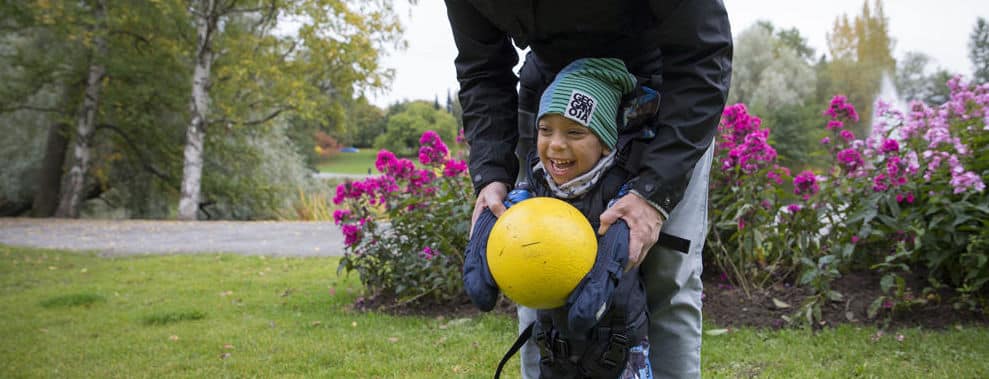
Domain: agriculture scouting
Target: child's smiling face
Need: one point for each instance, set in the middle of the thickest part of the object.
(567, 149)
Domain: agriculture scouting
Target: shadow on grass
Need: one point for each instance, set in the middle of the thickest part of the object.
(72, 300)
(170, 317)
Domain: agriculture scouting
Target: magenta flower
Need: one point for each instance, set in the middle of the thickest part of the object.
(453, 167)
(339, 215)
(794, 208)
(351, 234)
(850, 159)
(805, 184)
(847, 135)
(432, 149)
(890, 146)
(385, 160)
(825, 140)
(840, 108)
(460, 136)
(427, 253)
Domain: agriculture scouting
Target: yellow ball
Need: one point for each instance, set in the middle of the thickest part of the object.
(539, 250)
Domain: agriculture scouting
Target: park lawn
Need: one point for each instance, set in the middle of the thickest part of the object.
(220, 315)
(350, 163)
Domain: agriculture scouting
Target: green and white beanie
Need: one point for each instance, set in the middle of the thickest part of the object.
(589, 92)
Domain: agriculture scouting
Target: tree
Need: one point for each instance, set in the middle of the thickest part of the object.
(260, 75)
(861, 53)
(777, 82)
(405, 127)
(978, 50)
(68, 206)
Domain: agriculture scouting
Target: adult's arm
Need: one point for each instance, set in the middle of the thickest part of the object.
(695, 42)
(488, 94)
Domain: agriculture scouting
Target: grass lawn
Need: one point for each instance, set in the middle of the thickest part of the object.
(219, 315)
(350, 163)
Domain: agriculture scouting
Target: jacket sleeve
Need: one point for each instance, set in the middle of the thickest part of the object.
(695, 42)
(488, 94)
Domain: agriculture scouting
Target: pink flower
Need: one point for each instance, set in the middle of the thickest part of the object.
(840, 108)
(850, 159)
(890, 145)
(825, 141)
(427, 253)
(432, 149)
(339, 215)
(351, 234)
(855, 239)
(453, 167)
(847, 135)
(805, 184)
(794, 208)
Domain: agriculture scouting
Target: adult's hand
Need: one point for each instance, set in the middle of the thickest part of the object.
(492, 197)
(644, 223)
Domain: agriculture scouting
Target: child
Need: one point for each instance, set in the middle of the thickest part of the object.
(577, 159)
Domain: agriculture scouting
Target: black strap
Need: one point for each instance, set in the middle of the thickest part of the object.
(523, 337)
(673, 242)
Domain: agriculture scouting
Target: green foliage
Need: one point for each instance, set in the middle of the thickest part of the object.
(366, 122)
(404, 128)
(252, 174)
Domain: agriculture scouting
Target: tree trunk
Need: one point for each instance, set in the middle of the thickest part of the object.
(50, 176)
(68, 206)
(199, 109)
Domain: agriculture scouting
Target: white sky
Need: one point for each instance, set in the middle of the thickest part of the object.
(938, 28)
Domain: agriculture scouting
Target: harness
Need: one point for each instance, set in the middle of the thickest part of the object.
(606, 314)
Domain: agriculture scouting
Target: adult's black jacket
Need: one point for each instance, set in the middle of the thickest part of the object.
(682, 48)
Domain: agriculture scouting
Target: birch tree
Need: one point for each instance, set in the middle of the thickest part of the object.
(256, 61)
(206, 16)
(85, 123)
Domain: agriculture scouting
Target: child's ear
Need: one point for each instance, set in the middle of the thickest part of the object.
(605, 151)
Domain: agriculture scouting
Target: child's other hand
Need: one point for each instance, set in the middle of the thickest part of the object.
(644, 223)
(492, 197)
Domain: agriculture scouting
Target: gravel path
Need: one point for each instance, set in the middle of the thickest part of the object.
(128, 237)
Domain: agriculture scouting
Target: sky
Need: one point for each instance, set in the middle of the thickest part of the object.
(938, 28)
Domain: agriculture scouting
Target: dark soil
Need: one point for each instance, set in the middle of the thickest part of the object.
(729, 306)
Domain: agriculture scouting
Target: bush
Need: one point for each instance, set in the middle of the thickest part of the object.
(404, 128)
(910, 197)
(406, 230)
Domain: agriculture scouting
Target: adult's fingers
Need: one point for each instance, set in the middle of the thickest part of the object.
(490, 197)
(609, 217)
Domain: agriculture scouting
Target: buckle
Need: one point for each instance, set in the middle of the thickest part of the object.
(617, 351)
(561, 346)
(545, 352)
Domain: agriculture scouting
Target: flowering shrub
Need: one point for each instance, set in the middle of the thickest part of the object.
(909, 196)
(405, 230)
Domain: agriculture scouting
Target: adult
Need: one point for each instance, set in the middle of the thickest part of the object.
(682, 48)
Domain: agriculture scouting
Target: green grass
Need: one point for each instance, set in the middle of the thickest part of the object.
(215, 315)
(350, 163)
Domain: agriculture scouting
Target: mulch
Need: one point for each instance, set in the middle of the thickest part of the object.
(730, 307)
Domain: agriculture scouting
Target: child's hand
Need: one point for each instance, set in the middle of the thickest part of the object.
(492, 197)
(644, 223)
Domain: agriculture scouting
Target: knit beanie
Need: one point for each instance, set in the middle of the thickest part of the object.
(589, 92)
